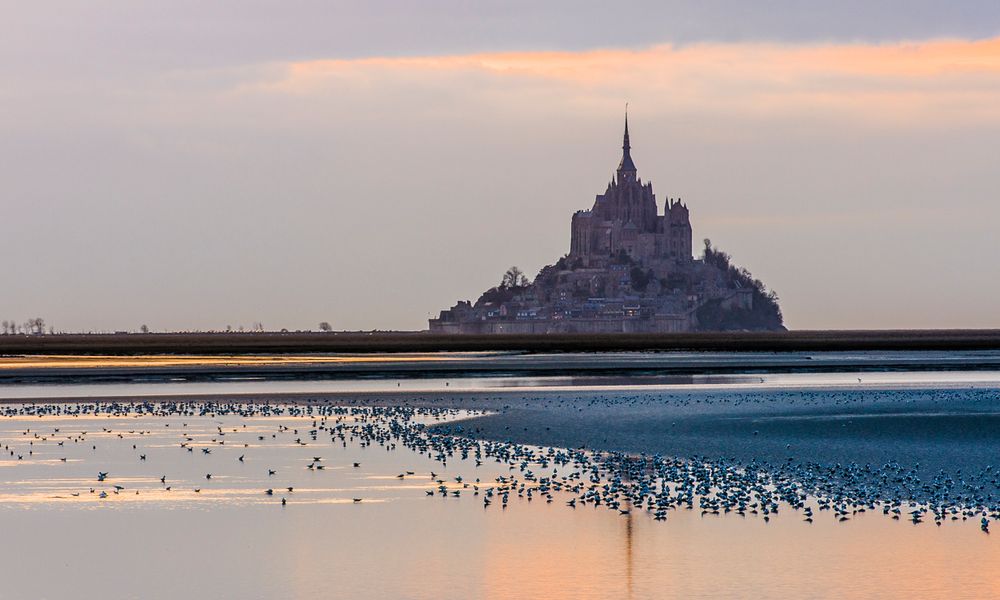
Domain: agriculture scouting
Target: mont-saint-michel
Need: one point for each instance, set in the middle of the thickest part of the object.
(227, 231)
(630, 269)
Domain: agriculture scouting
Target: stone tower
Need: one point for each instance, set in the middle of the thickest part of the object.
(625, 219)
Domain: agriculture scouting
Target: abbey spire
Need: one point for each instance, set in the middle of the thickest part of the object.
(626, 168)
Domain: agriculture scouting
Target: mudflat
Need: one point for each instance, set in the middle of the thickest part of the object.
(641, 367)
(364, 342)
(954, 430)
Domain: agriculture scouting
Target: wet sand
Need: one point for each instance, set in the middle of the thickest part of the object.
(54, 369)
(930, 429)
(422, 341)
(407, 538)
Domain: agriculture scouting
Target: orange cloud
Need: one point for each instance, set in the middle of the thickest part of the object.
(922, 59)
(952, 79)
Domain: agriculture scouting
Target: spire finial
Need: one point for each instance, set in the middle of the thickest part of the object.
(626, 168)
(626, 145)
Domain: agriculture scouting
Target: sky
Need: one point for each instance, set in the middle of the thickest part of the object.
(192, 165)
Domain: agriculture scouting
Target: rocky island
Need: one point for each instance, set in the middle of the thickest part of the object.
(630, 269)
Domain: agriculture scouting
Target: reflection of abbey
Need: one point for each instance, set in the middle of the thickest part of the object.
(629, 269)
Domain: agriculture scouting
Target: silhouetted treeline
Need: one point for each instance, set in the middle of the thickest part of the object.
(765, 314)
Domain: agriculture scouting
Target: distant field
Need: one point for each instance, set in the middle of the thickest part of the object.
(296, 343)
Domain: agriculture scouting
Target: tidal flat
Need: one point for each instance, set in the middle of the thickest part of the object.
(538, 494)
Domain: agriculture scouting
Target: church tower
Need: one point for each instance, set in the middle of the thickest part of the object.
(625, 219)
(626, 168)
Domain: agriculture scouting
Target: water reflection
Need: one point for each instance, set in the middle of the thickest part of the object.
(440, 385)
(628, 551)
(231, 539)
(76, 361)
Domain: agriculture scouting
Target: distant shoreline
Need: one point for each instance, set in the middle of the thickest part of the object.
(27, 369)
(395, 342)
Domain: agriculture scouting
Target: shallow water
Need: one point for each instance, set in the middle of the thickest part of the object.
(429, 385)
(232, 540)
(23, 377)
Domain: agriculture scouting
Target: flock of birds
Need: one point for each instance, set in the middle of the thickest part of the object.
(622, 482)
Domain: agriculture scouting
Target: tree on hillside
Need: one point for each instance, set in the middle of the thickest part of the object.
(512, 283)
(765, 313)
(514, 278)
(640, 278)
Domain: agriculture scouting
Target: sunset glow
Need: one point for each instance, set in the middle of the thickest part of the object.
(886, 81)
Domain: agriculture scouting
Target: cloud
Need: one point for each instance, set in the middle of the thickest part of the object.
(134, 35)
(373, 192)
(945, 81)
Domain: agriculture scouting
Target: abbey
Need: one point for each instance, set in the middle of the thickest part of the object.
(630, 269)
(625, 219)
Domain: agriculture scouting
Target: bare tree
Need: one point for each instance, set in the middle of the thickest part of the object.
(4, 324)
(35, 326)
(143, 328)
(513, 278)
(324, 326)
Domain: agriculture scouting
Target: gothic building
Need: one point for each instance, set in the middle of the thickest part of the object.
(625, 219)
(629, 269)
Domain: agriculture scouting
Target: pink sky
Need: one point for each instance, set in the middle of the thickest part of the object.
(857, 179)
